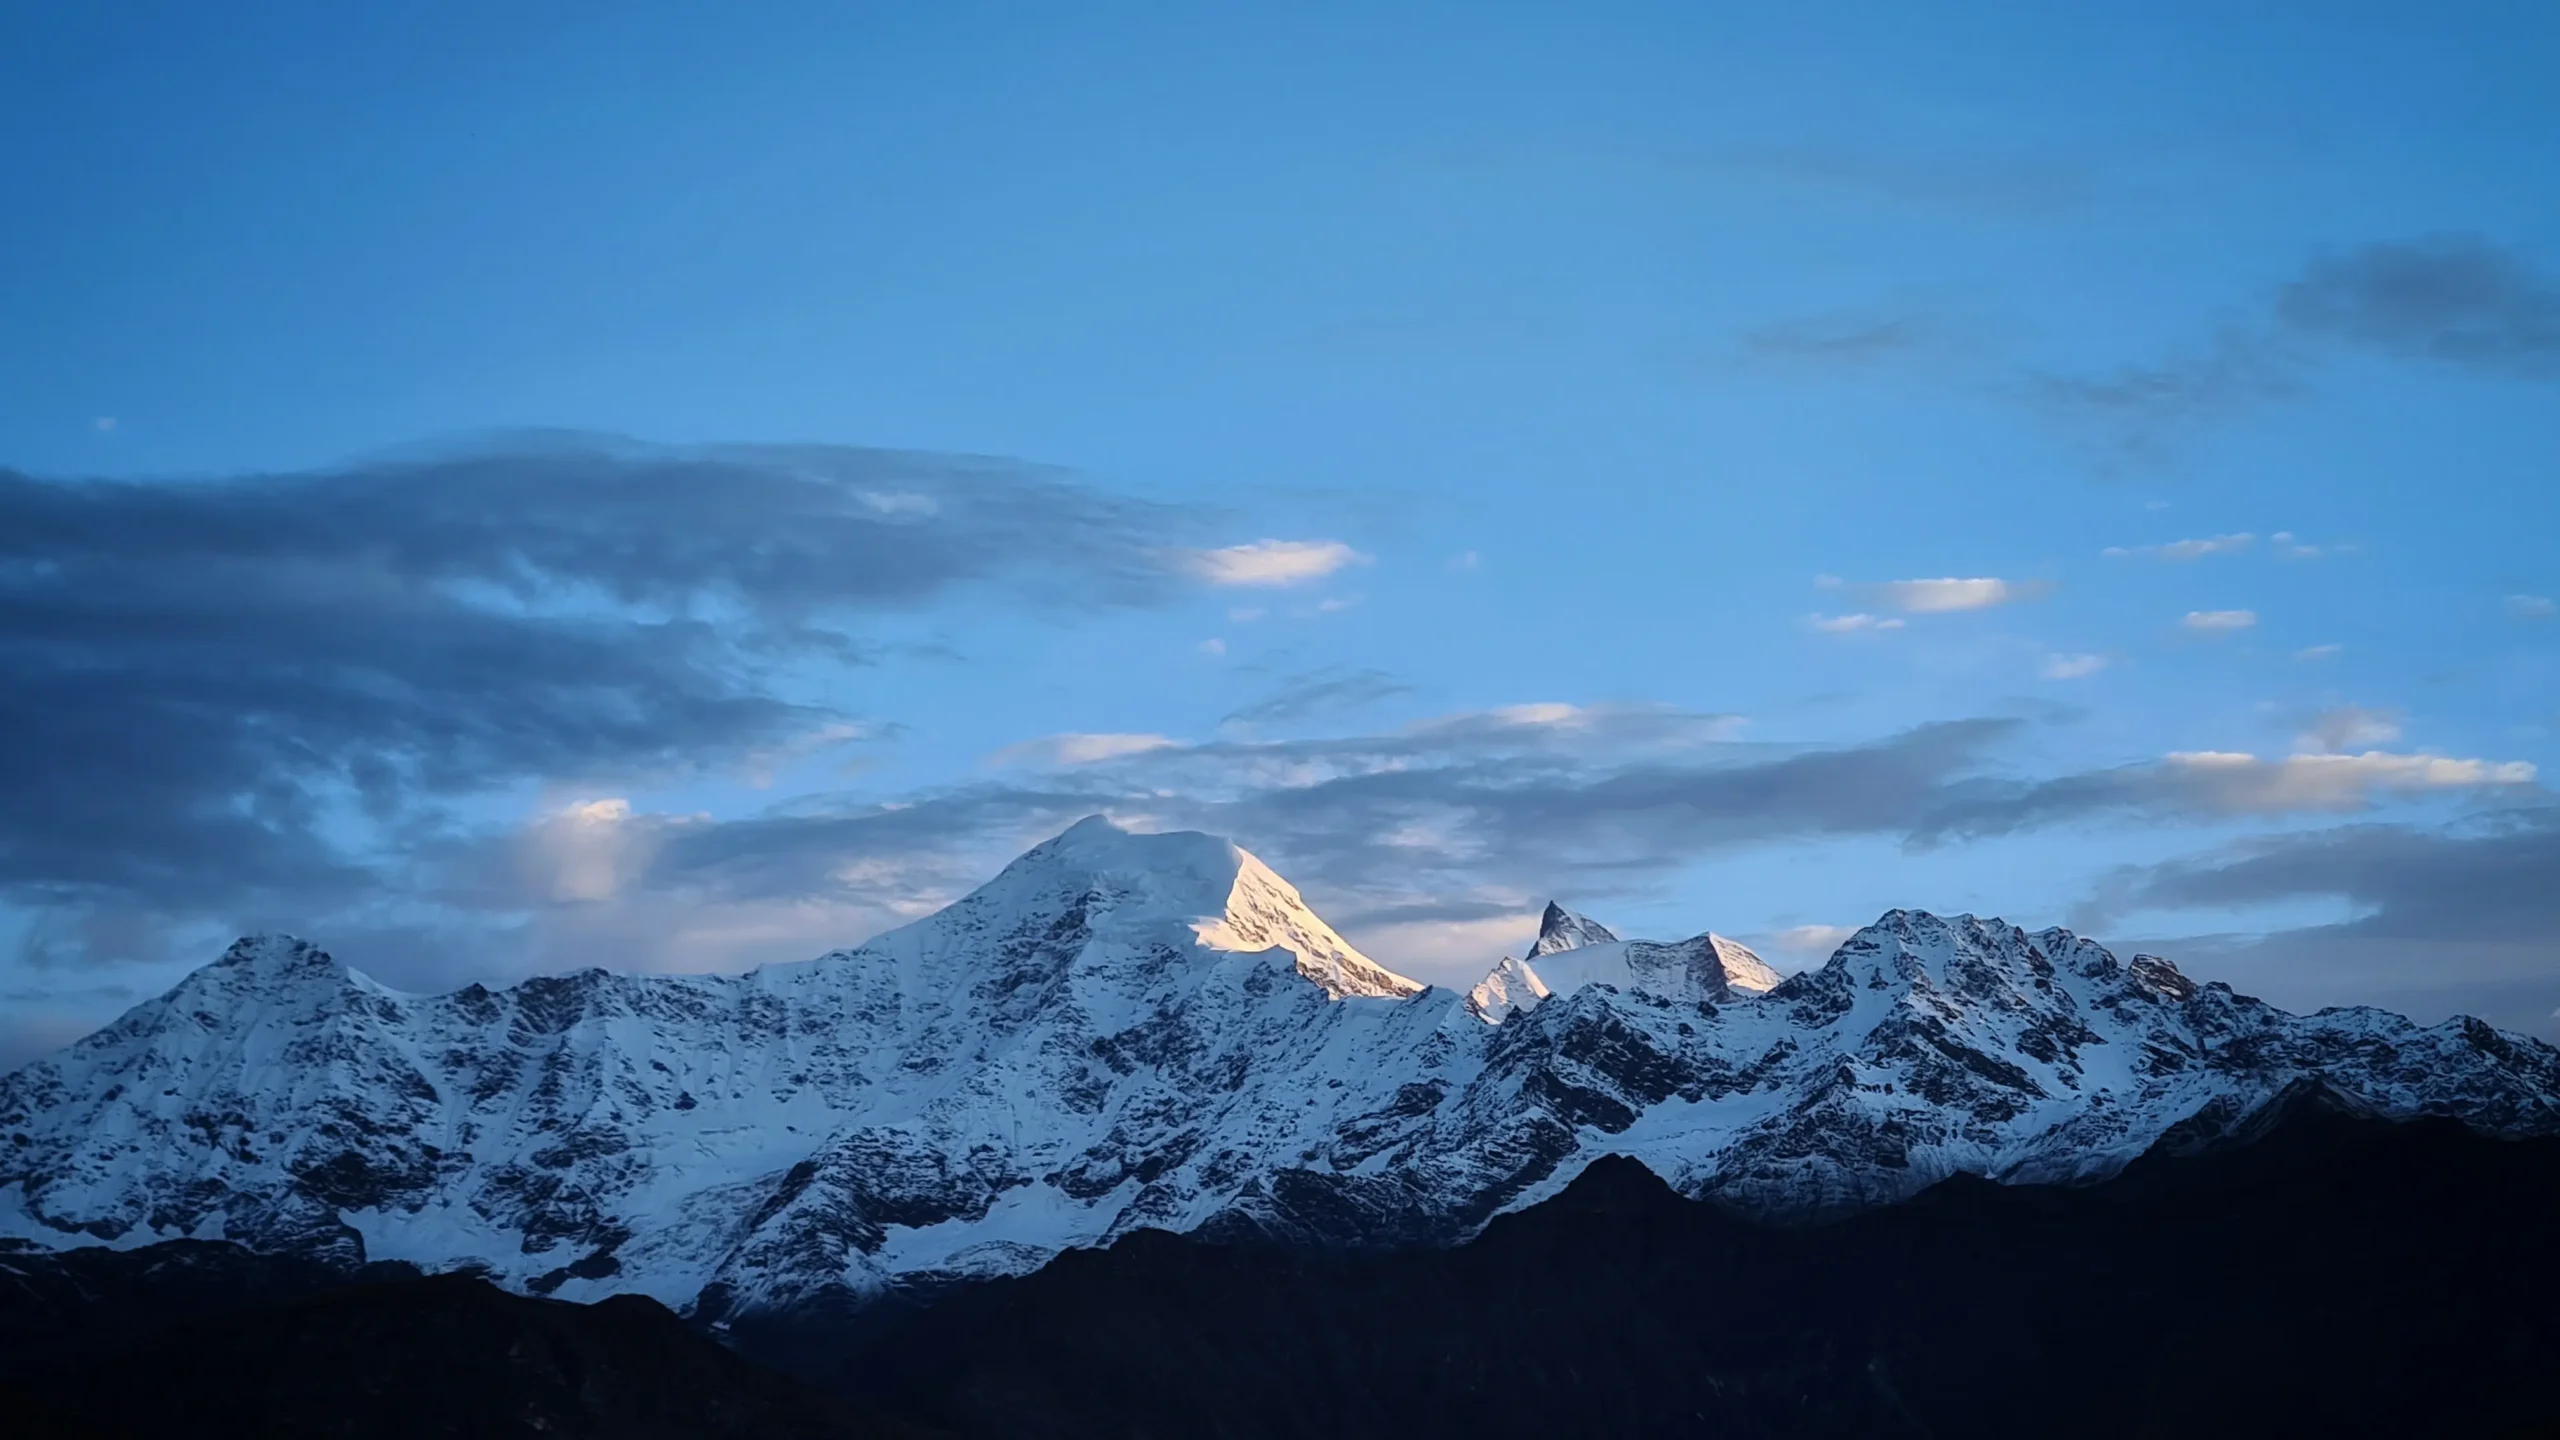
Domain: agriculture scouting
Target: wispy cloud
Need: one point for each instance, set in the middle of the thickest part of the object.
(2072, 667)
(1839, 338)
(2218, 622)
(2209, 784)
(1077, 749)
(2191, 549)
(2483, 880)
(1315, 692)
(2532, 607)
(2452, 299)
(1946, 596)
(2455, 300)
(1851, 624)
(2293, 547)
(2345, 727)
(1810, 942)
(2143, 413)
(211, 684)
(2318, 652)
(1270, 562)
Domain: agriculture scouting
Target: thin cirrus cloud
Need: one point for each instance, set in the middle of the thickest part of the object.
(2195, 549)
(1457, 818)
(2345, 727)
(2294, 547)
(2451, 919)
(2072, 667)
(2460, 301)
(1852, 624)
(2532, 607)
(1270, 562)
(2451, 299)
(2285, 543)
(1316, 692)
(2244, 784)
(1810, 941)
(205, 684)
(2211, 784)
(2218, 622)
(1945, 596)
(1078, 748)
(1451, 819)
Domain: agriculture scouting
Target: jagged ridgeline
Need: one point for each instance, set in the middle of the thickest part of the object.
(1129, 1031)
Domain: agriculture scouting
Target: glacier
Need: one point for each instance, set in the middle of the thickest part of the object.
(1127, 1030)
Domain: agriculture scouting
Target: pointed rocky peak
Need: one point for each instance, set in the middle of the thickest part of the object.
(1743, 968)
(1144, 887)
(1561, 929)
(2078, 954)
(1262, 910)
(278, 955)
(1959, 952)
(1511, 986)
(1704, 968)
(265, 969)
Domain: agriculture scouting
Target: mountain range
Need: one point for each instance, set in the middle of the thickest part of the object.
(1126, 1032)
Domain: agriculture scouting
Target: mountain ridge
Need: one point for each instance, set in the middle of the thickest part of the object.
(1123, 1032)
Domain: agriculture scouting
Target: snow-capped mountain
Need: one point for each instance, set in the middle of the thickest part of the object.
(1560, 929)
(1139, 1030)
(1572, 952)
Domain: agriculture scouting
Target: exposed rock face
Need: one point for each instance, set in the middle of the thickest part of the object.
(1125, 1031)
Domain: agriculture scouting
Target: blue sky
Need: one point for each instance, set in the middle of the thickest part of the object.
(1601, 374)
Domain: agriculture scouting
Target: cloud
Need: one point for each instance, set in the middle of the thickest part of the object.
(1456, 812)
(2072, 667)
(2451, 299)
(1317, 692)
(1271, 562)
(104, 424)
(2202, 785)
(2193, 549)
(1839, 339)
(2218, 622)
(2292, 547)
(2344, 727)
(1464, 817)
(2457, 919)
(2144, 412)
(1077, 749)
(2489, 878)
(1935, 597)
(1213, 646)
(2456, 300)
(1464, 560)
(1810, 942)
(1848, 624)
(209, 689)
(2531, 607)
(2318, 652)
(1454, 952)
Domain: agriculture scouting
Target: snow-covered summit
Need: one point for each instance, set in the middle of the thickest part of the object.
(1573, 951)
(1561, 929)
(1144, 891)
(1124, 1030)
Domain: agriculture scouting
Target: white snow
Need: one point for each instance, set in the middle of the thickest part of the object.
(1122, 1030)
